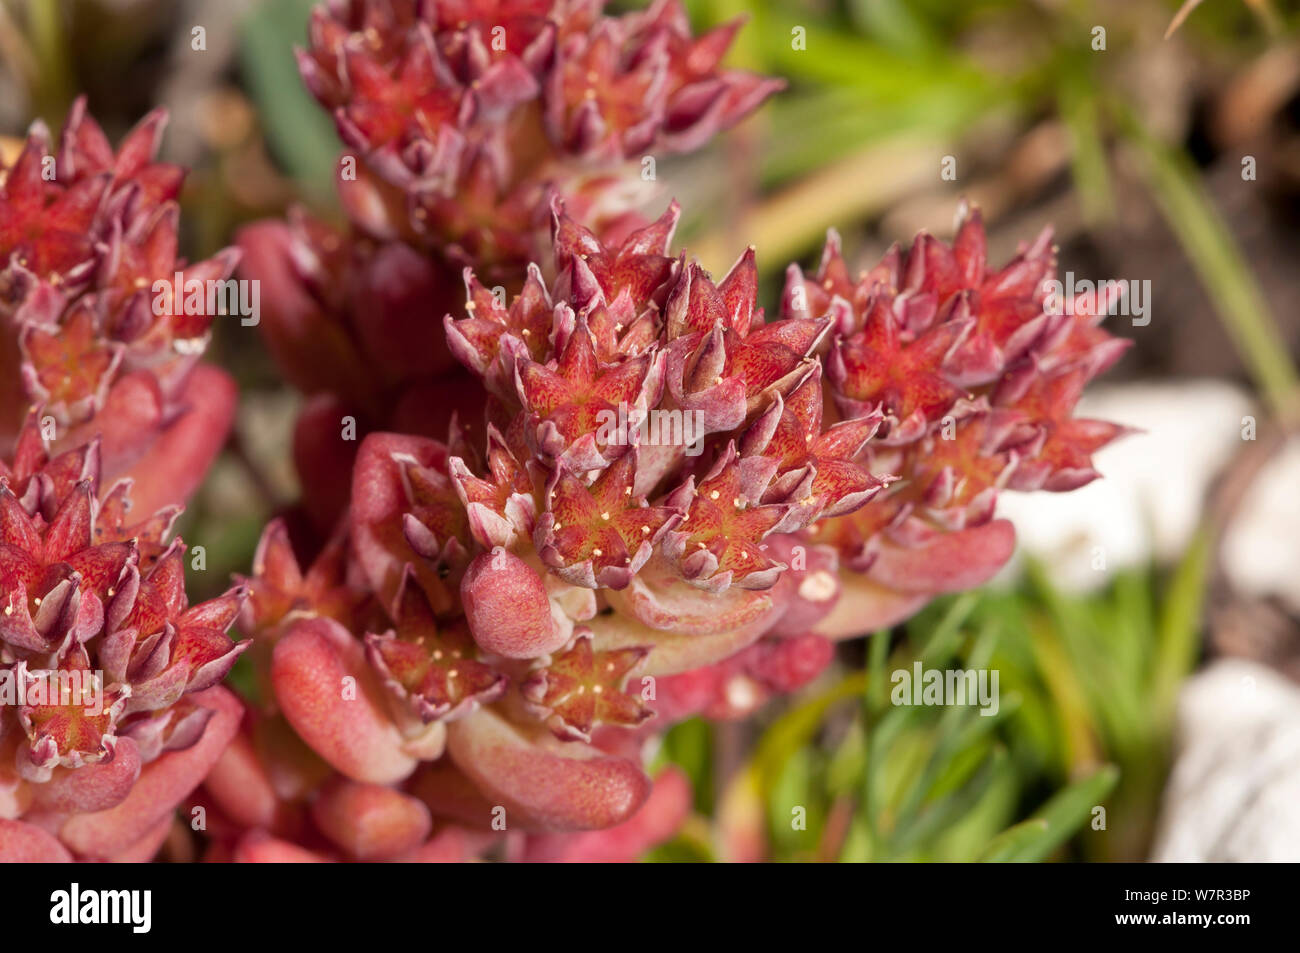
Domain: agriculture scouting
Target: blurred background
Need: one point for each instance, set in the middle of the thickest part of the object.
(1146, 638)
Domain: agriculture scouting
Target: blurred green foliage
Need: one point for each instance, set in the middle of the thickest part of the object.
(867, 75)
(1088, 683)
(299, 133)
(1087, 686)
(868, 69)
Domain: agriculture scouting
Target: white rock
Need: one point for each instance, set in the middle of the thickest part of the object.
(1234, 792)
(1153, 486)
(1261, 550)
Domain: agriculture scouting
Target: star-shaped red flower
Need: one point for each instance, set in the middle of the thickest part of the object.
(278, 585)
(431, 667)
(573, 407)
(815, 469)
(1058, 454)
(500, 506)
(636, 269)
(70, 367)
(70, 715)
(582, 688)
(47, 228)
(479, 340)
(881, 367)
(719, 541)
(600, 535)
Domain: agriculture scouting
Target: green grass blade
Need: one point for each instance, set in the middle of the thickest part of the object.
(1036, 838)
(1219, 264)
(1179, 626)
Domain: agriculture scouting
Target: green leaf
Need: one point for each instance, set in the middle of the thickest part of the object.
(1179, 627)
(894, 23)
(942, 644)
(960, 730)
(857, 848)
(794, 787)
(877, 677)
(53, 82)
(790, 733)
(1077, 101)
(298, 131)
(689, 745)
(685, 848)
(943, 813)
(1066, 812)
(1219, 264)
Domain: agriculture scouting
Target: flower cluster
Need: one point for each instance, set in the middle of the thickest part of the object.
(506, 612)
(468, 116)
(461, 122)
(111, 711)
(85, 235)
(604, 493)
(635, 499)
(975, 373)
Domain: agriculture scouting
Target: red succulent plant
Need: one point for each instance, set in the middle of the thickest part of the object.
(112, 712)
(602, 495)
(460, 123)
(85, 233)
(518, 604)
